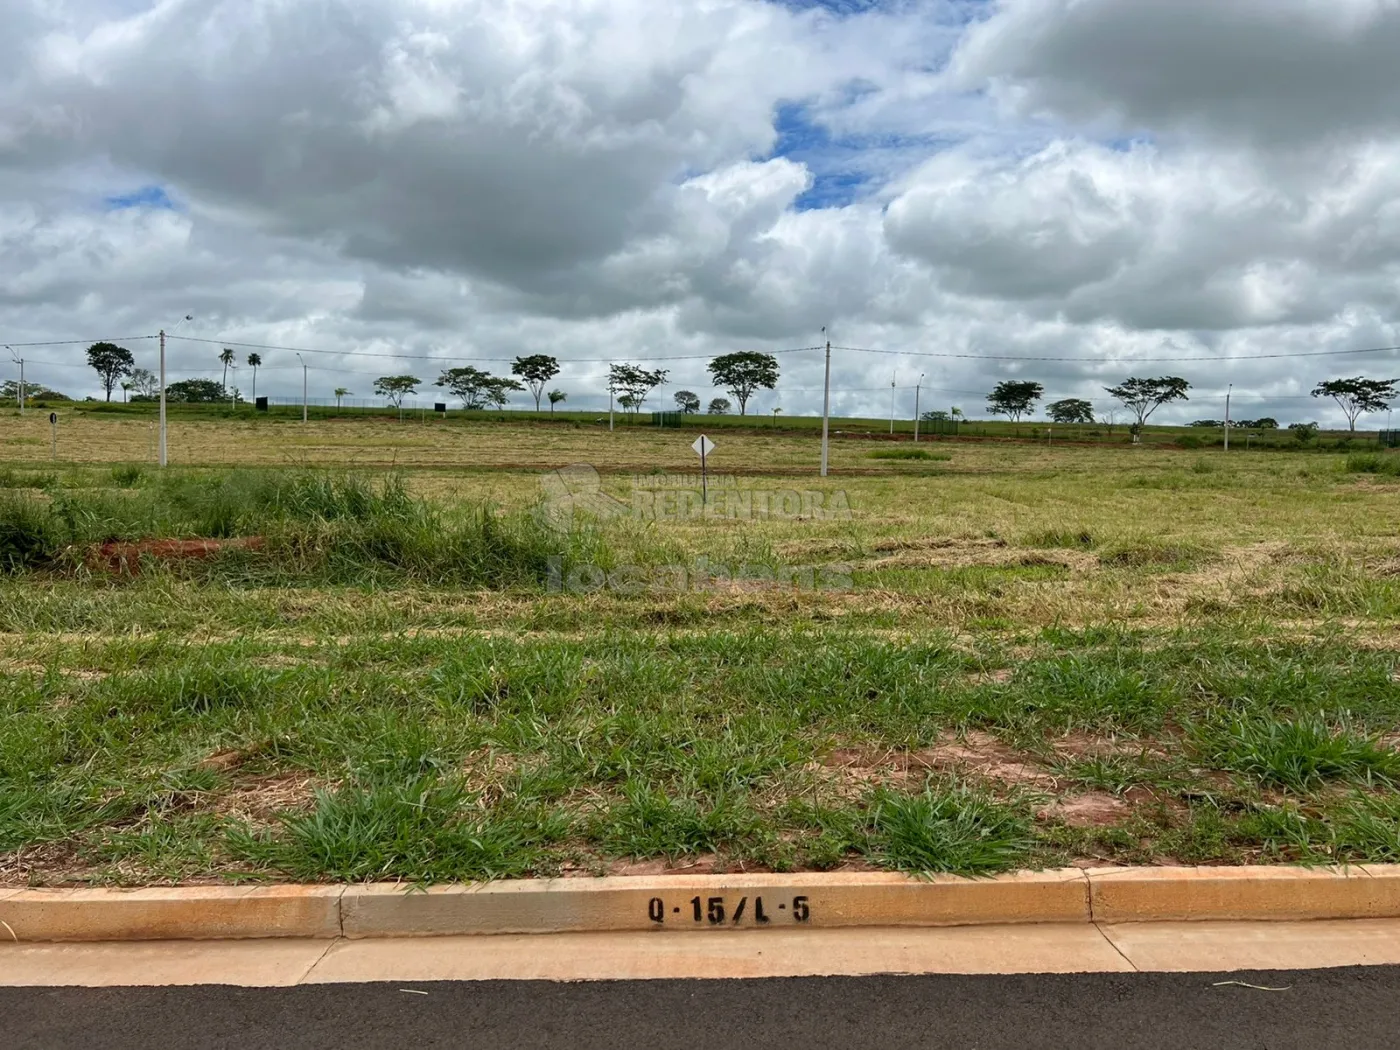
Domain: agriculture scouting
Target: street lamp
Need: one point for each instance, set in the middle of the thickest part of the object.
(19, 361)
(163, 457)
(916, 406)
(303, 387)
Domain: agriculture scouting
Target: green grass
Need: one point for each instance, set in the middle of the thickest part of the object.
(1383, 463)
(949, 831)
(332, 528)
(471, 757)
(1297, 754)
(385, 687)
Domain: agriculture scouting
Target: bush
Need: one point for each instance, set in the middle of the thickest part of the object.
(1374, 463)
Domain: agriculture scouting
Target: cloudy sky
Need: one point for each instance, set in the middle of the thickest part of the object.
(1113, 187)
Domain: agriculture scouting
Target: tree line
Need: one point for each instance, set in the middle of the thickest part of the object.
(741, 375)
(1017, 399)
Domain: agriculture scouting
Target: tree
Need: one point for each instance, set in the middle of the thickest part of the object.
(195, 391)
(226, 359)
(126, 388)
(1267, 423)
(687, 402)
(340, 392)
(719, 407)
(396, 388)
(630, 403)
(743, 373)
(1304, 433)
(255, 362)
(1144, 396)
(1071, 410)
(555, 397)
(470, 384)
(111, 363)
(498, 390)
(144, 382)
(536, 370)
(634, 383)
(937, 415)
(1355, 396)
(1014, 398)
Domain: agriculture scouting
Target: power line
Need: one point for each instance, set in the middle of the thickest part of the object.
(462, 357)
(80, 342)
(1111, 360)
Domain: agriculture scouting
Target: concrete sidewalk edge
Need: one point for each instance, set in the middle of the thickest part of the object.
(700, 902)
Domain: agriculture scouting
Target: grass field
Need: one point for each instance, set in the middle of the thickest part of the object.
(417, 651)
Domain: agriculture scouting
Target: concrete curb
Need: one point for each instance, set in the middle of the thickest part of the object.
(701, 902)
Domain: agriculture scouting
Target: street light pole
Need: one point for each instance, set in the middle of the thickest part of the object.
(894, 376)
(826, 409)
(917, 385)
(19, 361)
(1228, 391)
(164, 458)
(303, 387)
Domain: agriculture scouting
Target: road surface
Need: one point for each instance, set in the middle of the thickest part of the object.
(1355, 1008)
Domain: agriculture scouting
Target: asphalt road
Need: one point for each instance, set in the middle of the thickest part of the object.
(1356, 1008)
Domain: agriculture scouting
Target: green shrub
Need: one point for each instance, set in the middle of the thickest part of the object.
(1384, 463)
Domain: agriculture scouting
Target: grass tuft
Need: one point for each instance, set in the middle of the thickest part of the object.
(1298, 754)
(950, 832)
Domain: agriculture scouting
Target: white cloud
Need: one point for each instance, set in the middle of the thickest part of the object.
(1099, 179)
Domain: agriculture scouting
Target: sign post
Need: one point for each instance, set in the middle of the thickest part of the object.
(53, 430)
(703, 447)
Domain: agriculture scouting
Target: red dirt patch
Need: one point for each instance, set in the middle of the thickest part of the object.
(126, 556)
(985, 756)
(977, 753)
(1090, 810)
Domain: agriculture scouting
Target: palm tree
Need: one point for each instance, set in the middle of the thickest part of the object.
(125, 388)
(556, 396)
(227, 358)
(255, 361)
(340, 392)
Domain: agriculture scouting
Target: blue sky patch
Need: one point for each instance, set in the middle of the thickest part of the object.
(145, 197)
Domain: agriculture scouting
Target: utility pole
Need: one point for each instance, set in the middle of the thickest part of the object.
(893, 377)
(1228, 390)
(917, 385)
(303, 387)
(826, 408)
(162, 398)
(19, 361)
(164, 459)
(611, 394)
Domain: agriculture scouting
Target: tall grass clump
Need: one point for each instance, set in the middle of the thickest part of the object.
(1299, 754)
(300, 525)
(1373, 463)
(28, 535)
(955, 831)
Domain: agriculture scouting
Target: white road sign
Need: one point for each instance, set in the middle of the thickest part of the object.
(703, 446)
